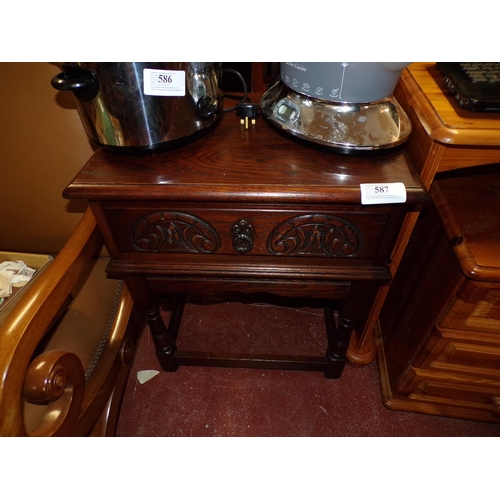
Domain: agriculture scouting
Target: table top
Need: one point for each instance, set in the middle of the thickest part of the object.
(441, 116)
(232, 164)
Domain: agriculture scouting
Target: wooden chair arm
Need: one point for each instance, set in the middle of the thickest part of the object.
(27, 324)
(56, 377)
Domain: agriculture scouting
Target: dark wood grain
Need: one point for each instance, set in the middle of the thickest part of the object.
(232, 164)
(175, 223)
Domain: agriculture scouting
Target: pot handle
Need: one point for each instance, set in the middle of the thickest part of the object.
(83, 84)
(207, 107)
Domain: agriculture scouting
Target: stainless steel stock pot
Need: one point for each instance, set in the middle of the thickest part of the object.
(141, 107)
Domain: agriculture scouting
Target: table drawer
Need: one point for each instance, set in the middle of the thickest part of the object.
(343, 232)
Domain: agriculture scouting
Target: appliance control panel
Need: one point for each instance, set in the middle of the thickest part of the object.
(286, 111)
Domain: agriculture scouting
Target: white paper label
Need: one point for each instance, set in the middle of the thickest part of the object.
(373, 194)
(162, 82)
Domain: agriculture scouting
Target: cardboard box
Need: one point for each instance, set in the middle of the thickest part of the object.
(35, 261)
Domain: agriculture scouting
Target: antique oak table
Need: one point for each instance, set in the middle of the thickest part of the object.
(248, 210)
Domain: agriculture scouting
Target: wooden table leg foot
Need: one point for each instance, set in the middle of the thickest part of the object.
(167, 361)
(335, 366)
(338, 341)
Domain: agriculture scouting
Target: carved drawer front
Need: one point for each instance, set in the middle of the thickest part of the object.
(343, 232)
(477, 308)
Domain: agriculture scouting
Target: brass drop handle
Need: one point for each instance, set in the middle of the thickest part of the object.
(243, 236)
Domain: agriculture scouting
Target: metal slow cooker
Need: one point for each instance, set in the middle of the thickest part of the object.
(136, 108)
(346, 106)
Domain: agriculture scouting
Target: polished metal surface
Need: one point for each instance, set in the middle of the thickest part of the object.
(123, 111)
(348, 126)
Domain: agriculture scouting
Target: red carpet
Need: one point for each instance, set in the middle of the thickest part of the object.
(200, 401)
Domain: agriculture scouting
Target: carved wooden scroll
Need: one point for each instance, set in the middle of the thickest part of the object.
(174, 232)
(315, 235)
(56, 378)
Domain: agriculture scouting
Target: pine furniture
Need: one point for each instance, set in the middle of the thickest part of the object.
(439, 330)
(444, 137)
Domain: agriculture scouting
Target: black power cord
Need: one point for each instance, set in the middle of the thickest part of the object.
(245, 110)
(244, 85)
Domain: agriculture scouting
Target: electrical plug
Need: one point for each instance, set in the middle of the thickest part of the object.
(247, 112)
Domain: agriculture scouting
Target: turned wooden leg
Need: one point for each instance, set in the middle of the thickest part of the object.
(178, 303)
(339, 335)
(338, 342)
(162, 336)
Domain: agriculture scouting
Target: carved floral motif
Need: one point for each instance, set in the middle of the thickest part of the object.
(316, 234)
(174, 232)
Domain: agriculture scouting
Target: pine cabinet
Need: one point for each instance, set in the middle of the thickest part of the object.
(438, 337)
